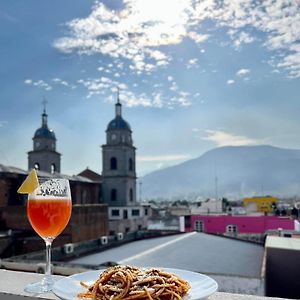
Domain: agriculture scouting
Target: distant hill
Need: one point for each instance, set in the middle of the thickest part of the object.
(231, 172)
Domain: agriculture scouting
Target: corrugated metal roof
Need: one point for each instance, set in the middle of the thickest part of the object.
(59, 175)
(9, 169)
(14, 170)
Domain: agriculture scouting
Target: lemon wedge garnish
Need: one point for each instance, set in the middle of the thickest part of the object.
(29, 184)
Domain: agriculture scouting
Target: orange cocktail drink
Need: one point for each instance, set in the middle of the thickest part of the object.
(49, 217)
(49, 208)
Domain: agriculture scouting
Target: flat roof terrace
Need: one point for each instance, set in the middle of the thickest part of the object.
(198, 252)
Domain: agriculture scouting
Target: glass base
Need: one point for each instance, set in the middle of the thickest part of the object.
(44, 286)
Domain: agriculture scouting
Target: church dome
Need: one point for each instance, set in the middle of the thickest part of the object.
(44, 132)
(118, 123)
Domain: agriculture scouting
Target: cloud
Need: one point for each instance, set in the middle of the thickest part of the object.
(107, 86)
(131, 33)
(140, 37)
(134, 32)
(61, 82)
(138, 31)
(158, 158)
(39, 83)
(240, 37)
(222, 138)
(197, 38)
(193, 62)
(278, 20)
(242, 72)
(292, 62)
(47, 86)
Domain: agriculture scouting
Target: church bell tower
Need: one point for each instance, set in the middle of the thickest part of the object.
(118, 160)
(44, 156)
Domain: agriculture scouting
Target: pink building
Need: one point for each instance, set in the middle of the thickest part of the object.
(220, 224)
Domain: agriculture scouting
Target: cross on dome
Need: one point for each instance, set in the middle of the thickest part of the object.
(44, 103)
(118, 104)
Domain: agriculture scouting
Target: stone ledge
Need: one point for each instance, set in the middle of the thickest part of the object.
(12, 284)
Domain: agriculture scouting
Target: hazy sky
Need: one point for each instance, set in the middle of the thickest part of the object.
(193, 75)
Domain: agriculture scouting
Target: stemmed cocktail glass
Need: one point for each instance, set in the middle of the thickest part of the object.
(48, 209)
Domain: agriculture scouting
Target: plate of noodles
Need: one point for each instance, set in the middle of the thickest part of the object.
(133, 283)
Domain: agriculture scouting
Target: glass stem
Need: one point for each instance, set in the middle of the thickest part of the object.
(48, 260)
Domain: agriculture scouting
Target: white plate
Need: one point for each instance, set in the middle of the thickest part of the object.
(202, 286)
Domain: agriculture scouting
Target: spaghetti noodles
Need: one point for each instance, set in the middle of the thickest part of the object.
(132, 283)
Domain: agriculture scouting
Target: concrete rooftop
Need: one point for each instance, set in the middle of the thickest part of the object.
(198, 252)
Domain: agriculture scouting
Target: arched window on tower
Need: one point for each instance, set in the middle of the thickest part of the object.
(130, 164)
(113, 195)
(131, 195)
(113, 163)
(53, 168)
(37, 166)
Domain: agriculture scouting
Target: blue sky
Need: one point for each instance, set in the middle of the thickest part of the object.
(193, 75)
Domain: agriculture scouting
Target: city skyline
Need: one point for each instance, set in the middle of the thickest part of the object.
(195, 77)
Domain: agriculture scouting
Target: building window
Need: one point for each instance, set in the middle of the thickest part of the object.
(37, 166)
(146, 211)
(199, 226)
(125, 214)
(113, 195)
(115, 212)
(131, 195)
(231, 228)
(135, 212)
(130, 164)
(53, 168)
(113, 163)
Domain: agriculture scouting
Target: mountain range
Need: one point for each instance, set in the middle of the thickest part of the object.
(231, 171)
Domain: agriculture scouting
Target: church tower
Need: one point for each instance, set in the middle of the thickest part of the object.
(118, 161)
(44, 156)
